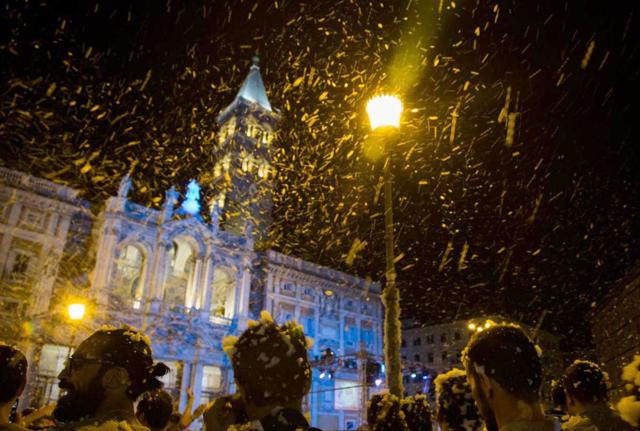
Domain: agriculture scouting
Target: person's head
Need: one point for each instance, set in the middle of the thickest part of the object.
(503, 367)
(384, 413)
(13, 374)
(154, 409)
(455, 408)
(585, 384)
(111, 364)
(558, 397)
(417, 412)
(629, 406)
(270, 364)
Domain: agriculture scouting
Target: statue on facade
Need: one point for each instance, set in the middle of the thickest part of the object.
(170, 199)
(247, 232)
(125, 186)
(191, 203)
(215, 212)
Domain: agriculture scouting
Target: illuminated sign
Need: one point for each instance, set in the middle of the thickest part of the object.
(347, 395)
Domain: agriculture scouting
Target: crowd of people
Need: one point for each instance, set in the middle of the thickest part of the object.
(112, 383)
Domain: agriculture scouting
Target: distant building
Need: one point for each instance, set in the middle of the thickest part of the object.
(616, 328)
(187, 274)
(428, 351)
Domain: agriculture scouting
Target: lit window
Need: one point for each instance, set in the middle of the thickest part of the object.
(20, 265)
(211, 383)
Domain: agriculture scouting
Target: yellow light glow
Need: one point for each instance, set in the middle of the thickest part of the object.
(487, 325)
(76, 311)
(472, 326)
(479, 329)
(384, 110)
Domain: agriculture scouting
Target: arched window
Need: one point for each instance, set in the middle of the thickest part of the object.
(128, 273)
(223, 293)
(180, 272)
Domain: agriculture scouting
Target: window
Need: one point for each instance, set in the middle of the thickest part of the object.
(20, 265)
(350, 334)
(127, 277)
(430, 339)
(456, 336)
(172, 380)
(223, 294)
(288, 289)
(366, 334)
(180, 274)
(404, 357)
(430, 357)
(307, 319)
(403, 343)
(416, 357)
(211, 383)
(286, 312)
(445, 355)
(443, 338)
(417, 341)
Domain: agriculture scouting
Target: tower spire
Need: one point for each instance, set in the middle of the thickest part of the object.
(252, 88)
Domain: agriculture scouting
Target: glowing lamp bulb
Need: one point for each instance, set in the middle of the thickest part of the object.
(487, 325)
(472, 326)
(384, 110)
(378, 382)
(413, 375)
(76, 311)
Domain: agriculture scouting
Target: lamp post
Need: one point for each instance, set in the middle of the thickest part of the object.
(384, 115)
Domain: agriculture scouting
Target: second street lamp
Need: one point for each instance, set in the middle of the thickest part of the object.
(384, 115)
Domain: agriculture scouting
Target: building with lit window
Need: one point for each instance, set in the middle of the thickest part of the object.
(187, 274)
(427, 351)
(615, 325)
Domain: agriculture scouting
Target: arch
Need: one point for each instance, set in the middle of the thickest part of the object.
(127, 279)
(223, 290)
(180, 269)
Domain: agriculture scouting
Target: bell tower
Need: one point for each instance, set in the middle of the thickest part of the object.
(243, 174)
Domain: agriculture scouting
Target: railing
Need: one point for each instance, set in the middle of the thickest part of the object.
(131, 309)
(16, 178)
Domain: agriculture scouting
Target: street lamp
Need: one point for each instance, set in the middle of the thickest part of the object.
(76, 311)
(384, 116)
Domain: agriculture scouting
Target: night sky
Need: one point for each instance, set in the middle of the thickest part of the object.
(547, 220)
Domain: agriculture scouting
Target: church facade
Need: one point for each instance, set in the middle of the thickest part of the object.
(187, 274)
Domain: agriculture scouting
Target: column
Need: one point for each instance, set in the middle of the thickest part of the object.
(147, 273)
(159, 271)
(208, 290)
(43, 287)
(203, 301)
(242, 308)
(53, 223)
(196, 383)
(12, 222)
(104, 258)
(31, 352)
(185, 382)
(316, 316)
(341, 332)
(194, 283)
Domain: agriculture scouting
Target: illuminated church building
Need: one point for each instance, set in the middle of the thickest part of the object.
(187, 274)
